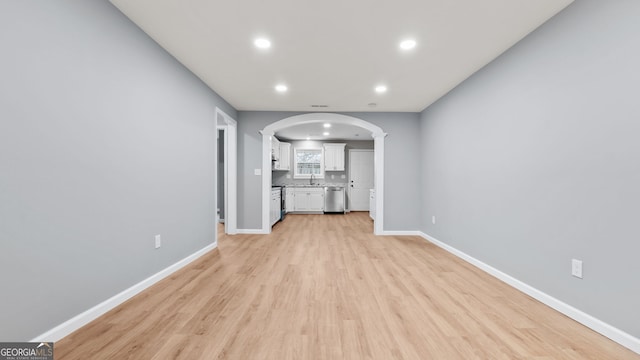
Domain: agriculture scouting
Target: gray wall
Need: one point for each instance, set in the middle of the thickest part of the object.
(280, 177)
(402, 211)
(535, 160)
(105, 141)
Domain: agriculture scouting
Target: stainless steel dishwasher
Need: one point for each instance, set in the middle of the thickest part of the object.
(333, 199)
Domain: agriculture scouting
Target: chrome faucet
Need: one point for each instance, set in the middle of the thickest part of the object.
(311, 179)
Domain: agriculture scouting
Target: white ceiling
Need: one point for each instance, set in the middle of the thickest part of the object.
(334, 52)
(315, 131)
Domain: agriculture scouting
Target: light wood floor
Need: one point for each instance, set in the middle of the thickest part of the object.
(323, 287)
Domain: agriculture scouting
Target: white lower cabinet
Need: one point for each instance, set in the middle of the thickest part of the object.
(316, 201)
(289, 198)
(308, 199)
(301, 201)
(276, 206)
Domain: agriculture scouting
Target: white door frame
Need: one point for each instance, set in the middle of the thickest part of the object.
(230, 128)
(378, 141)
(350, 167)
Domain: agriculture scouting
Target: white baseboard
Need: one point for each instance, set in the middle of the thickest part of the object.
(613, 333)
(401, 233)
(86, 317)
(251, 231)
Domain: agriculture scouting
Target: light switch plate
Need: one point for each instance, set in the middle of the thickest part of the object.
(158, 241)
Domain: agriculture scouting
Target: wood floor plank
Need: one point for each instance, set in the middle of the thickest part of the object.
(323, 287)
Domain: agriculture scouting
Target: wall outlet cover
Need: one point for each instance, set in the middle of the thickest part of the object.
(288, 176)
(257, 172)
(576, 268)
(343, 176)
(158, 241)
(433, 219)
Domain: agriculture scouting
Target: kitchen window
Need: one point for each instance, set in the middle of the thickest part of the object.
(308, 162)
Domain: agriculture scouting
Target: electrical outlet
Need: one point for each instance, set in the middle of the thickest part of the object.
(333, 176)
(576, 268)
(257, 172)
(158, 241)
(288, 176)
(343, 176)
(433, 219)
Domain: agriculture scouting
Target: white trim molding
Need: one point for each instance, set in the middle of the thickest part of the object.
(95, 312)
(401, 233)
(378, 139)
(630, 342)
(252, 231)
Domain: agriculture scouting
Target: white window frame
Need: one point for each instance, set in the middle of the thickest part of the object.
(296, 175)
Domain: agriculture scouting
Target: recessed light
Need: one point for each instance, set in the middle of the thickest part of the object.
(381, 89)
(326, 133)
(281, 88)
(262, 43)
(408, 44)
(308, 137)
(327, 125)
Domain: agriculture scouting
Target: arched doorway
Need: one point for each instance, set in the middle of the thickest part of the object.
(378, 138)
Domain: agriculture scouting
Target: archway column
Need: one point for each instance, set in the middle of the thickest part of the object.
(378, 158)
(266, 179)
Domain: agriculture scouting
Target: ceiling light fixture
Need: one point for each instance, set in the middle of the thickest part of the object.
(326, 133)
(327, 125)
(262, 43)
(381, 89)
(308, 137)
(281, 88)
(408, 44)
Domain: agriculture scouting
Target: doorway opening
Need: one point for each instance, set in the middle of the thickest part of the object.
(376, 133)
(221, 184)
(226, 161)
(361, 179)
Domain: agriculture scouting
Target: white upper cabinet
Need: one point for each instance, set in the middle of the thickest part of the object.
(334, 157)
(280, 154)
(275, 148)
(285, 156)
